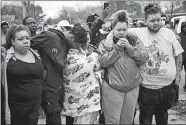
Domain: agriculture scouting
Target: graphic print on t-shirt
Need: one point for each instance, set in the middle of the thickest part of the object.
(156, 58)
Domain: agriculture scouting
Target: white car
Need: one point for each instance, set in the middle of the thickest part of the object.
(177, 22)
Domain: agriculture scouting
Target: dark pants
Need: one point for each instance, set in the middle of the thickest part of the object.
(24, 114)
(52, 103)
(101, 118)
(69, 120)
(156, 102)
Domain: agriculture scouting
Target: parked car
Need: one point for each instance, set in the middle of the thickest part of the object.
(177, 22)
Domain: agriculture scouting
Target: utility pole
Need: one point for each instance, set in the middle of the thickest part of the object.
(24, 9)
(34, 9)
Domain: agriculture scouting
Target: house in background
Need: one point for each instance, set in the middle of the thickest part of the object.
(8, 18)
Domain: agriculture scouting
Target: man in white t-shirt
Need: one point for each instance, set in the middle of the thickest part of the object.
(161, 73)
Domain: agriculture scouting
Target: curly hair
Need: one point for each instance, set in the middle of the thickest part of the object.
(12, 31)
(80, 34)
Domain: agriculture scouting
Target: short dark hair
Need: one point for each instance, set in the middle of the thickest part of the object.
(80, 34)
(151, 9)
(24, 20)
(163, 15)
(91, 18)
(121, 17)
(12, 31)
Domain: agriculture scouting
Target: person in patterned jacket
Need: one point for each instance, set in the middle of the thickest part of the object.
(82, 81)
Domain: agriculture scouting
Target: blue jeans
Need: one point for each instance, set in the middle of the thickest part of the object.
(156, 102)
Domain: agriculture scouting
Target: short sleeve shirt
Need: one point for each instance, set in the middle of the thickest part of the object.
(162, 47)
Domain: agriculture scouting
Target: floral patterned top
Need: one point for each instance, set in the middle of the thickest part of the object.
(82, 83)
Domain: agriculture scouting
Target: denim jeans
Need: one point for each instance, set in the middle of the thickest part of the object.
(156, 102)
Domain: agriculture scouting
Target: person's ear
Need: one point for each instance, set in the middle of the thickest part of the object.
(13, 42)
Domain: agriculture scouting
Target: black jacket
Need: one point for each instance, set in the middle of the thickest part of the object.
(182, 35)
(94, 33)
(52, 47)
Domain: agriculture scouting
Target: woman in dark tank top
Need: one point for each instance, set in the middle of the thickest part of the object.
(24, 77)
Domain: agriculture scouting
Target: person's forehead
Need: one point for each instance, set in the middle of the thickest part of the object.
(119, 24)
(30, 19)
(163, 17)
(154, 16)
(5, 26)
(22, 32)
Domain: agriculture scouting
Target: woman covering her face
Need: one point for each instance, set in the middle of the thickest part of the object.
(82, 80)
(121, 55)
(23, 78)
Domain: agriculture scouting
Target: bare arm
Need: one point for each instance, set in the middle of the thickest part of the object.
(178, 60)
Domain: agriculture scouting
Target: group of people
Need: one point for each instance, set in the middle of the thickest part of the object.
(102, 70)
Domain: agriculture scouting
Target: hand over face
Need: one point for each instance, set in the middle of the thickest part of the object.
(123, 42)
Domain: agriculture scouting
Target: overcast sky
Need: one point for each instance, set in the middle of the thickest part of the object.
(51, 8)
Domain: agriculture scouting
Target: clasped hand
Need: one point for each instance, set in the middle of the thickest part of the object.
(123, 43)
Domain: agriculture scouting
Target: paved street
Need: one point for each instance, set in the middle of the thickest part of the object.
(172, 114)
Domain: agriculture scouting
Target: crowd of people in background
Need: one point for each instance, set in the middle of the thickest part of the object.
(94, 73)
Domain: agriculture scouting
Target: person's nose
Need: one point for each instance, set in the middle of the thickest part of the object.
(26, 41)
(156, 22)
(122, 32)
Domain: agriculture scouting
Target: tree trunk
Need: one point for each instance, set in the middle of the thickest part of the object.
(184, 5)
(172, 10)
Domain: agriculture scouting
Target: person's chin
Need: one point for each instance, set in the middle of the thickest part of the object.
(26, 49)
(155, 30)
(33, 30)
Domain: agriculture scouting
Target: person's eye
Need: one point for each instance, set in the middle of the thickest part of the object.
(124, 29)
(28, 38)
(28, 23)
(118, 30)
(20, 39)
(152, 21)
